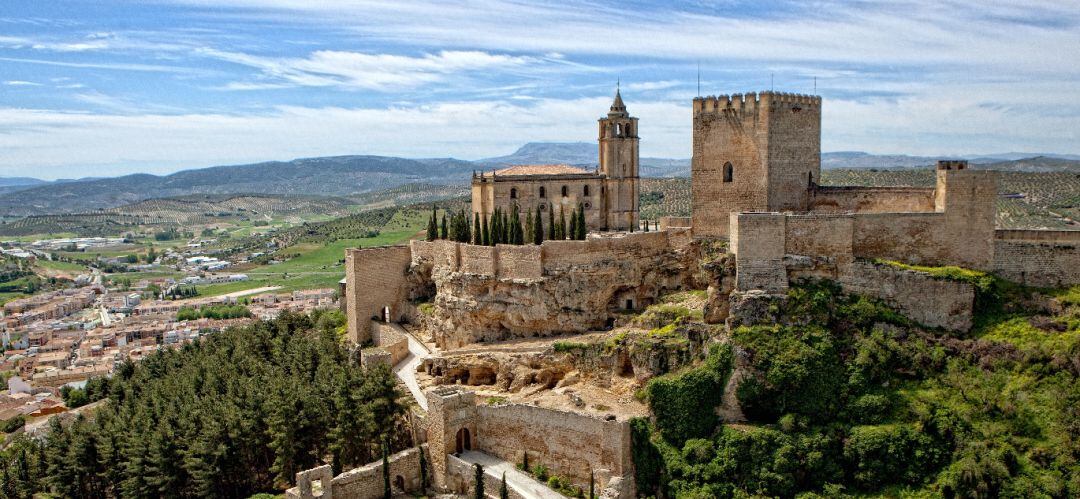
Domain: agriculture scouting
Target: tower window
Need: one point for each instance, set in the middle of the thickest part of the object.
(513, 193)
(626, 129)
(565, 191)
(729, 172)
(586, 190)
(543, 193)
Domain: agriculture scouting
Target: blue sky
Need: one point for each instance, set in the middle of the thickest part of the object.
(99, 87)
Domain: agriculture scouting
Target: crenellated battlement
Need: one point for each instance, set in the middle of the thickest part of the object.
(752, 101)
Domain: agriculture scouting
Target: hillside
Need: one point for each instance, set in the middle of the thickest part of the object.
(329, 176)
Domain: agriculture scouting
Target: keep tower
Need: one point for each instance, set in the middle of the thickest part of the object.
(753, 152)
(618, 138)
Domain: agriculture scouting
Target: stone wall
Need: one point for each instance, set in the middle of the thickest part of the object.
(391, 339)
(375, 279)
(461, 479)
(365, 482)
(570, 444)
(757, 240)
(852, 199)
(927, 300)
(1038, 258)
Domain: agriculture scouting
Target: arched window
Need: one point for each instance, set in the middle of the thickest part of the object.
(565, 191)
(626, 130)
(729, 172)
(586, 190)
(513, 193)
(543, 193)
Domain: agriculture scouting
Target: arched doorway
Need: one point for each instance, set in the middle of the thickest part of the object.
(399, 482)
(464, 440)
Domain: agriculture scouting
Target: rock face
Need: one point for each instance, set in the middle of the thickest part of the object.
(580, 294)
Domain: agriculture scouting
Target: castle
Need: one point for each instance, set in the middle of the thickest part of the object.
(609, 195)
(760, 221)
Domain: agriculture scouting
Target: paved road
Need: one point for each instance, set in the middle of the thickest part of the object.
(406, 369)
(246, 292)
(521, 483)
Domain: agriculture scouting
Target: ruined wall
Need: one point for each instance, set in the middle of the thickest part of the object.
(375, 278)
(392, 339)
(1038, 258)
(850, 199)
(568, 443)
(365, 482)
(918, 296)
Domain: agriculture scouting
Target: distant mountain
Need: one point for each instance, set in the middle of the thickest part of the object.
(20, 181)
(328, 176)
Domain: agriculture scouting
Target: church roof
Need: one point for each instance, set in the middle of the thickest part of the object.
(541, 170)
(618, 109)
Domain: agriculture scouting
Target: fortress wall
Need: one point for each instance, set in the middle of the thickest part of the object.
(820, 235)
(679, 237)
(872, 199)
(559, 256)
(568, 443)
(758, 241)
(917, 295)
(375, 278)
(916, 238)
(392, 340)
(1041, 263)
(479, 259)
(1062, 236)
(365, 482)
(520, 262)
(672, 222)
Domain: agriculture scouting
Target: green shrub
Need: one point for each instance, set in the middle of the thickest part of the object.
(684, 402)
(569, 346)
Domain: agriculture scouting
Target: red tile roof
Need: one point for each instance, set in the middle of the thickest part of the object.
(541, 170)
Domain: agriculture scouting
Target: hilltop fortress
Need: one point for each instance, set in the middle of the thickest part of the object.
(760, 221)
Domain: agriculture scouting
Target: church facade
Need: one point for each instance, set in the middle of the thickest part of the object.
(608, 194)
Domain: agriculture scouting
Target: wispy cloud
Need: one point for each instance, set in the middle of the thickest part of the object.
(382, 72)
(21, 83)
(117, 66)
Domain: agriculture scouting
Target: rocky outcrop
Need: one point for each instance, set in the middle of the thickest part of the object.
(581, 295)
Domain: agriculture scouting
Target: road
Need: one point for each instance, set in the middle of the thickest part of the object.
(516, 480)
(246, 292)
(406, 369)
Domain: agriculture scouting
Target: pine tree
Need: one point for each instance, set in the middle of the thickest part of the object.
(582, 230)
(538, 227)
(478, 237)
(504, 492)
(487, 231)
(432, 227)
(551, 223)
(443, 229)
(479, 481)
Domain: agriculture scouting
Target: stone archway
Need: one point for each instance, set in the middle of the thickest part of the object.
(399, 482)
(464, 440)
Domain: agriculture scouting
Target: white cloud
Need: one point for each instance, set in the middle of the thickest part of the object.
(21, 83)
(366, 71)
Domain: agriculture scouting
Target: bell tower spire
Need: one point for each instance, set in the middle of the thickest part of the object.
(618, 140)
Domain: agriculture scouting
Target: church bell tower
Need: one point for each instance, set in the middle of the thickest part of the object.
(619, 163)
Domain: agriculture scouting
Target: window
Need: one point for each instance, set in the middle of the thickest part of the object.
(513, 193)
(729, 172)
(626, 130)
(588, 205)
(543, 193)
(586, 190)
(565, 191)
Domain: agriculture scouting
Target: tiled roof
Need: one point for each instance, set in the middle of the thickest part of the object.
(541, 170)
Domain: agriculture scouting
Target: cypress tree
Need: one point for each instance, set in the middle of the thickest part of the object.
(423, 470)
(387, 493)
(538, 226)
(432, 227)
(443, 229)
(582, 230)
(506, 228)
(517, 235)
(525, 461)
(560, 232)
(573, 224)
(551, 222)
(477, 235)
(479, 481)
(646, 226)
(530, 227)
(487, 231)
(496, 227)
(465, 232)
(592, 485)
(504, 492)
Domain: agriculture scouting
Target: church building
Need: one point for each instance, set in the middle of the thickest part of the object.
(609, 193)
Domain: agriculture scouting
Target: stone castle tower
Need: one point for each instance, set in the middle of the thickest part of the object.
(618, 139)
(753, 152)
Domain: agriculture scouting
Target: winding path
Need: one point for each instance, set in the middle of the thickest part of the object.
(520, 482)
(406, 369)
